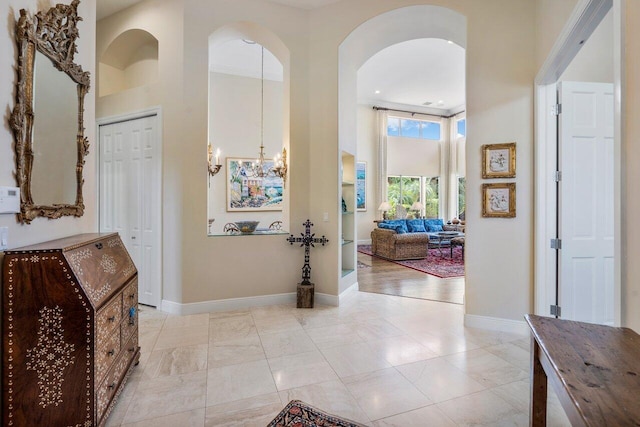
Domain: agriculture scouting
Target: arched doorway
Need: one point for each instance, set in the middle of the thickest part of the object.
(379, 33)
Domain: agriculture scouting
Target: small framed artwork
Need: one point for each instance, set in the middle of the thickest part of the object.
(499, 160)
(246, 192)
(361, 186)
(499, 200)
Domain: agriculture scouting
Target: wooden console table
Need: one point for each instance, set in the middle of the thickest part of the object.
(594, 369)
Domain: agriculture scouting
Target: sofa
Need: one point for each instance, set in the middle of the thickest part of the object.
(403, 239)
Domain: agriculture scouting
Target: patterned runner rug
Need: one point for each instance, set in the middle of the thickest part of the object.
(435, 264)
(299, 414)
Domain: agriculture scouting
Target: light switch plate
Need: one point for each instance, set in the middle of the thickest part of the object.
(4, 238)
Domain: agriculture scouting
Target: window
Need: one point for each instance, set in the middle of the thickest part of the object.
(405, 190)
(393, 126)
(462, 128)
(410, 128)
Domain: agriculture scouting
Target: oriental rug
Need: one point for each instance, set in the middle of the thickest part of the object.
(300, 414)
(439, 264)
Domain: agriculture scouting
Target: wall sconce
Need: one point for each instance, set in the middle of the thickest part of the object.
(213, 169)
(280, 167)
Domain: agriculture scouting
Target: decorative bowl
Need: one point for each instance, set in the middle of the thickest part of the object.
(247, 227)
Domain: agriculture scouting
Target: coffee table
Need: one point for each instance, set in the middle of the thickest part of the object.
(446, 236)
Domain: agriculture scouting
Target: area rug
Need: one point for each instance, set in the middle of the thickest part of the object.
(300, 414)
(435, 264)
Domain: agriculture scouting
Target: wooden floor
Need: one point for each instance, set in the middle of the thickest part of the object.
(384, 277)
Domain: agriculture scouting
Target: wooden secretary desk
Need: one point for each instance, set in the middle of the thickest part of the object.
(70, 330)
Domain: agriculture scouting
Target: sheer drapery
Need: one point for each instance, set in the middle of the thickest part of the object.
(382, 156)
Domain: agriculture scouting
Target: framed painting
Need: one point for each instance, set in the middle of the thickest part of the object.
(361, 186)
(247, 192)
(499, 200)
(499, 160)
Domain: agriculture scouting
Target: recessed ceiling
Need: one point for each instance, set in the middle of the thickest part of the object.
(239, 58)
(409, 74)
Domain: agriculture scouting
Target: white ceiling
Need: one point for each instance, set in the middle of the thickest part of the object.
(410, 73)
(237, 57)
(407, 74)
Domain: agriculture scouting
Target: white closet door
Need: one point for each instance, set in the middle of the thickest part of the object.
(586, 202)
(130, 188)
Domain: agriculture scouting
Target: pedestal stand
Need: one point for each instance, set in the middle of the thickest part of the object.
(305, 295)
(305, 290)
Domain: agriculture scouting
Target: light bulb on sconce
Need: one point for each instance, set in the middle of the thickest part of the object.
(213, 168)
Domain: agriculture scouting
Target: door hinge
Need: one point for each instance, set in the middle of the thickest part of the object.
(556, 110)
(556, 243)
(557, 176)
(555, 310)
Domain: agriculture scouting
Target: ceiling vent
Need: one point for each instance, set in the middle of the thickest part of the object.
(427, 103)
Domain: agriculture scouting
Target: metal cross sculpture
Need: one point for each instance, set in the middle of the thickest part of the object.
(307, 240)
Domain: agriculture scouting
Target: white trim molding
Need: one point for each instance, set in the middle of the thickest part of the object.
(496, 324)
(243, 303)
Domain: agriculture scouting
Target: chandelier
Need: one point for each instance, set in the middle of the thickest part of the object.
(263, 168)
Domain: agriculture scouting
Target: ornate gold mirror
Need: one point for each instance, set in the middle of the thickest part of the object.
(47, 121)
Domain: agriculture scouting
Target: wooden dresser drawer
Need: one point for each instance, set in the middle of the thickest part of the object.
(108, 319)
(107, 354)
(130, 297)
(129, 325)
(107, 389)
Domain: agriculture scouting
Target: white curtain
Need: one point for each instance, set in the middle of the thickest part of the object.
(382, 156)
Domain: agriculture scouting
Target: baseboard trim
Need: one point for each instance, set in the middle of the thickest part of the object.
(496, 324)
(241, 303)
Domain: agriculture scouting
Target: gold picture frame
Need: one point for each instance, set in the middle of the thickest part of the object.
(499, 200)
(499, 160)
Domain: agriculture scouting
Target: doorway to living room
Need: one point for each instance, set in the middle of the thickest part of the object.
(402, 99)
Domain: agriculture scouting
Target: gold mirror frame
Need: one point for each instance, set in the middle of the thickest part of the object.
(54, 35)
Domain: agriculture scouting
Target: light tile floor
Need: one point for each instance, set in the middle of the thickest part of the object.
(377, 359)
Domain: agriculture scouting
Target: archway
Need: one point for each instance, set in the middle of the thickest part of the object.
(374, 35)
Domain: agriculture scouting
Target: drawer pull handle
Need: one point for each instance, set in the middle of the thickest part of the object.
(112, 319)
(132, 349)
(99, 245)
(112, 386)
(132, 322)
(132, 296)
(111, 352)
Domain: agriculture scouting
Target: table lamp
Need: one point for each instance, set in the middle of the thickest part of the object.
(384, 207)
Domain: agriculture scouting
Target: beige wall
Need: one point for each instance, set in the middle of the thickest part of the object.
(499, 110)
(43, 229)
(630, 156)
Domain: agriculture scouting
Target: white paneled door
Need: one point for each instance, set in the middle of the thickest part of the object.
(130, 189)
(586, 203)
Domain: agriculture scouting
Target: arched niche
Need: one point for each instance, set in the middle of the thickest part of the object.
(244, 112)
(130, 61)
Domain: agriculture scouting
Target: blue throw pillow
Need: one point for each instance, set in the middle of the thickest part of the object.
(401, 223)
(433, 225)
(416, 226)
(387, 226)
